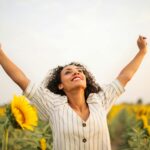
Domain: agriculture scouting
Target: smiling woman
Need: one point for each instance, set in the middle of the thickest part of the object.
(53, 79)
(73, 103)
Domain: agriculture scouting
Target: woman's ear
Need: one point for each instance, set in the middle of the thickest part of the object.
(60, 86)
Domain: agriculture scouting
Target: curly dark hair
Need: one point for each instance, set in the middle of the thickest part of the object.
(55, 80)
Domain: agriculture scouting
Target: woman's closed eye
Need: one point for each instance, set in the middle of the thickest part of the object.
(68, 72)
(80, 70)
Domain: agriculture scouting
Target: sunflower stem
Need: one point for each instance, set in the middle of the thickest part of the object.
(5, 136)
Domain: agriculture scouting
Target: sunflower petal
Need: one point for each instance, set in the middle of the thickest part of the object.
(24, 113)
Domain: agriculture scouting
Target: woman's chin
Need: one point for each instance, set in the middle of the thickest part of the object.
(79, 86)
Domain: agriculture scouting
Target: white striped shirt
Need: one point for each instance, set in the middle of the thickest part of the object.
(70, 132)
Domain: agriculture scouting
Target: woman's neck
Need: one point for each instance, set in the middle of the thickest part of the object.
(76, 100)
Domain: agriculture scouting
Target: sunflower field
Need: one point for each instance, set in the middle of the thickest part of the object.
(20, 128)
(129, 126)
(39, 139)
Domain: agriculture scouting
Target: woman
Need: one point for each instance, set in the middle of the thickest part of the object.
(75, 106)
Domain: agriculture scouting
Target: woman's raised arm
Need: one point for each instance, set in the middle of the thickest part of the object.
(127, 73)
(13, 71)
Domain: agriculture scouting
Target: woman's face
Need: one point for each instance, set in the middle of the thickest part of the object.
(72, 77)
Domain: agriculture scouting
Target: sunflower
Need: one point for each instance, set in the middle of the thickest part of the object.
(140, 112)
(43, 143)
(2, 111)
(145, 121)
(24, 113)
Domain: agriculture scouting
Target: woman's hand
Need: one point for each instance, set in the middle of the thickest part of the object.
(142, 44)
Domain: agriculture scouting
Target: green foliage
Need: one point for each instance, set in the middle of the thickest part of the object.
(127, 133)
(136, 138)
(27, 140)
(120, 125)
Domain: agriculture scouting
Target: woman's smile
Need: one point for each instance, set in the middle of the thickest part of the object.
(76, 78)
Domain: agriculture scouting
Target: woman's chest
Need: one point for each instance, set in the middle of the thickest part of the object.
(68, 123)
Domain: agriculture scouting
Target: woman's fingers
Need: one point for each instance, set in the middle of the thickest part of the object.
(142, 44)
(142, 40)
(142, 37)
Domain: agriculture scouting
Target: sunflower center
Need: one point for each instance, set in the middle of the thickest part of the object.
(21, 116)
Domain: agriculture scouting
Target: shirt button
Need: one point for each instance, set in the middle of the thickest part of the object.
(84, 124)
(84, 140)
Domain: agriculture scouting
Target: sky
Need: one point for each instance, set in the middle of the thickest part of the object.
(101, 34)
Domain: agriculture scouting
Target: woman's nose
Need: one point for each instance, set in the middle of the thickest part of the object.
(76, 72)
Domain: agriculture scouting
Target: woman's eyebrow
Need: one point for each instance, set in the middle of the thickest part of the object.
(72, 68)
(68, 69)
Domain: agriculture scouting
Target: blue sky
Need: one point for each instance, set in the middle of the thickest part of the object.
(39, 35)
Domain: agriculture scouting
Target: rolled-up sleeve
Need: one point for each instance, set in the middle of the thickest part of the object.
(41, 98)
(110, 93)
